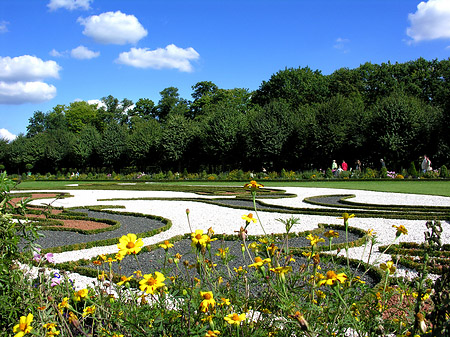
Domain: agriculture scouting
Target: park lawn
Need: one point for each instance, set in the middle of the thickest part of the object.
(422, 186)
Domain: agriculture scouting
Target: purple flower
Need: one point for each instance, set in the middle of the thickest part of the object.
(56, 280)
(49, 257)
(37, 255)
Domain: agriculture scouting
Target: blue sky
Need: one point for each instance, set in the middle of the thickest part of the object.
(58, 51)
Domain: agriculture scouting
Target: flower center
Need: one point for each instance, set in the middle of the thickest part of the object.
(236, 317)
(207, 296)
(22, 326)
(331, 275)
(130, 245)
(151, 281)
(198, 236)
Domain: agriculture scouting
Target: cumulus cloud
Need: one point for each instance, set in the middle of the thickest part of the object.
(113, 28)
(3, 26)
(21, 79)
(431, 21)
(71, 5)
(5, 134)
(83, 53)
(26, 92)
(171, 57)
(27, 68)
(56, 53)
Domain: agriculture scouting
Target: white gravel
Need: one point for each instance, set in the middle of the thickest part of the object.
(228, 220)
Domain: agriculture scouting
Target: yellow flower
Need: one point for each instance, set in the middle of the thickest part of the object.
(370, 233)
(314, 239)
(347, 216)
(78, 295)
(51, 329)
(249, 218)
(272, 249)
(222, 252)
(332, 277)
(63, 304)
(259, 262)
(253, 185)
(24, 326)
(124, 279)
(225, 301)
(199, 239)
(400, 230)
(234, 318)
(89, 310)
(166, 245)
(388, 266)
(130, 244)
(301, 320)
(331, 234)
(150, 284)
(281, 270)
(207, 302)
(240, 270)
(211, 333)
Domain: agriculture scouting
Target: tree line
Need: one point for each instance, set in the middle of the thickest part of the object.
(299, 119)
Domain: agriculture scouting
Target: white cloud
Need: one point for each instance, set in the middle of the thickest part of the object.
(341, 44)
(3, 28)
(53, 5)
(83, 53)
(26, 92)
(169, 57)
(27, 68)
(113, 28)
(5, 134)
(56, 53)
(431, 21)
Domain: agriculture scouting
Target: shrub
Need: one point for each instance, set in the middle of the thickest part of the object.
(444, 172)
(412, 170)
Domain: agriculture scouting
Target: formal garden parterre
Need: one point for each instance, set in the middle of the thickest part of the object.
(304, 271)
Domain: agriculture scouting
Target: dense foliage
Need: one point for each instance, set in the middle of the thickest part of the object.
(297, 120)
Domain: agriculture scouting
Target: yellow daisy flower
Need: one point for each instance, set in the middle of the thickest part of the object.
(249, 218)
(234, 318)
(130, 244)
(24, 326)
(150, 284)
(332, 278)
(207, 302)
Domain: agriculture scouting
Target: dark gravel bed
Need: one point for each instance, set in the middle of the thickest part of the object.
(129, 224)
(149, 262)
(331, 200)
(247, 204)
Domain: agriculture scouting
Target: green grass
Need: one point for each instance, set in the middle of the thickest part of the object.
(430, 187)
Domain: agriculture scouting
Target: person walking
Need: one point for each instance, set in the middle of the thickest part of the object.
(344, 165)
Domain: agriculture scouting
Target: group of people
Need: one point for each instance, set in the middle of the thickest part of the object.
(337, 169)
(426, 164)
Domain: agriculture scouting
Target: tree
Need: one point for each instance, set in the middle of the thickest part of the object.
(401, 128)
(177, 135)
(296, 86)
(267, 132)
(144, 142)
(85, 148)
(170, 98)
(144, 108)
(113, 145)
(80, 113)
(222, 134)
(36, 124)
(203, 93)
(338, 131)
